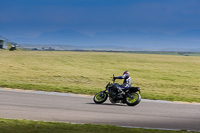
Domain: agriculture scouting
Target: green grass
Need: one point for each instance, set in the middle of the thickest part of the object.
(25, 126)
(166, 53)
(165, 77)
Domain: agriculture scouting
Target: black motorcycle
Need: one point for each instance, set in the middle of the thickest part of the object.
(130, 96)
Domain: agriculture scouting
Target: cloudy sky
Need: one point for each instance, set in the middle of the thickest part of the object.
(137, 23)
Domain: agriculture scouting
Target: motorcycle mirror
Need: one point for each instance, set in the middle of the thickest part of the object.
(113, 78)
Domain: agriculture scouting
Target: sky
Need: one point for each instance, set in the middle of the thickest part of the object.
(134, 23)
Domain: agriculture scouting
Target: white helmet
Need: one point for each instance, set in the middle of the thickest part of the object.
(127, 72)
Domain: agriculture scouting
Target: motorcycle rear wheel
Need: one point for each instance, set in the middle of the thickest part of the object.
(133, 99)
(100, 97)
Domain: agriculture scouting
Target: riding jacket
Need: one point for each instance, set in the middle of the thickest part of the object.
(127, 81)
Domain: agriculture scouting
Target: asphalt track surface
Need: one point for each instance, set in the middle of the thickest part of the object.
(63, 107)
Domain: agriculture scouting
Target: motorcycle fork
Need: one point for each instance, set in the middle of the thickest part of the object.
(102, 94)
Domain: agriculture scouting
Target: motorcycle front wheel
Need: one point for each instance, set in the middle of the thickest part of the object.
(133, 99)
(100, 97)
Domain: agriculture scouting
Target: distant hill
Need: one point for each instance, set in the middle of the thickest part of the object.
(129, 40)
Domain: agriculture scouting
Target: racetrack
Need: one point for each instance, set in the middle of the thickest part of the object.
(63, 107)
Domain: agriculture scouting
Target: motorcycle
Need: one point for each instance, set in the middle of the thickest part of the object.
(131, 96)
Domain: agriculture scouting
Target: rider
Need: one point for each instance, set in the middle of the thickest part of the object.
(127, 81)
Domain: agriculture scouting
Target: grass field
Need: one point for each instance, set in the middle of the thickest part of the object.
(25, 126)
(166, 77)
